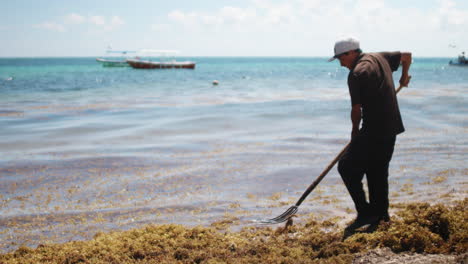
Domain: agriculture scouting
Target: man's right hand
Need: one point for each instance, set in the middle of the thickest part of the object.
(406, 60)
(405, 79)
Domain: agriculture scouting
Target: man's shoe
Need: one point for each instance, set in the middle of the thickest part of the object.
(362, 221)
(372, 227)
(385, 217)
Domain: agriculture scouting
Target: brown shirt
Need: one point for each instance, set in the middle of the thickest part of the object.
(371, 84)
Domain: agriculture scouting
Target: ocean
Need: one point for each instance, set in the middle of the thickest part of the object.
(87, 149)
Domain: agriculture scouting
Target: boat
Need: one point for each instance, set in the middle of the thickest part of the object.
(121, 62)
(159, 59)
(458, 63)
(147, 64)
(112, 63)
(462, 61)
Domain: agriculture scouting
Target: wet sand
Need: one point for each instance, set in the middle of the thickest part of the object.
(64, 199)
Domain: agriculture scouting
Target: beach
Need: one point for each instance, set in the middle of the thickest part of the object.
(86, 149)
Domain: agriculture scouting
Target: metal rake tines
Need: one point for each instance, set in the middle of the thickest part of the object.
(283, 217)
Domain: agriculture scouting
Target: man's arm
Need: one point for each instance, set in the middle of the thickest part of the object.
(405, 60)
(355, 119)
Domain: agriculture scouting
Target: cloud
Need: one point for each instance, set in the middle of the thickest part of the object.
(177, 16)
(324, 15)
(75, 19)
(231, 14)
(52, 26)
(305, 26)
(97, 20)
(227, 15)
(101, 22)
(277, 14)
(450, 15)
(162, 27)
(116, 21)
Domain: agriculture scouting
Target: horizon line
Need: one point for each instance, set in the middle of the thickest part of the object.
(203, 56)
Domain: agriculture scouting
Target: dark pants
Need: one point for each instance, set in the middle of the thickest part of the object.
(370, 156)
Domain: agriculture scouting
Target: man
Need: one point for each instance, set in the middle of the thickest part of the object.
(374, 102)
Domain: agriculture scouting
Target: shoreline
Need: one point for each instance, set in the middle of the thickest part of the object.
(124, 198)
(418, 232)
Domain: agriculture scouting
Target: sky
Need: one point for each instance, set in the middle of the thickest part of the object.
(54, 28)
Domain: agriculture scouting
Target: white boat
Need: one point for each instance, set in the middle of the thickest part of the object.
(159, 59)
(111, 61)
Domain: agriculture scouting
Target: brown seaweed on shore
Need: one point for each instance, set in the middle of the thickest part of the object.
(416, 227)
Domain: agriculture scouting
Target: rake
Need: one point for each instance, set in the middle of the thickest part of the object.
(293, 209)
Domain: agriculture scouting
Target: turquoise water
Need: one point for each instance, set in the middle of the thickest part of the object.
(120, 147)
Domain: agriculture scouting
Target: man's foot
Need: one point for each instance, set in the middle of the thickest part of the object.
(385, 217)
(372, 223)
(347, 233)
(362, 221)
(372, 227)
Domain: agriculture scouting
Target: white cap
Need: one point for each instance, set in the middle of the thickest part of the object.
(345, 45)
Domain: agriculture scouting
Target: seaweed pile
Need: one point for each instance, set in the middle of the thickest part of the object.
(415, 227)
